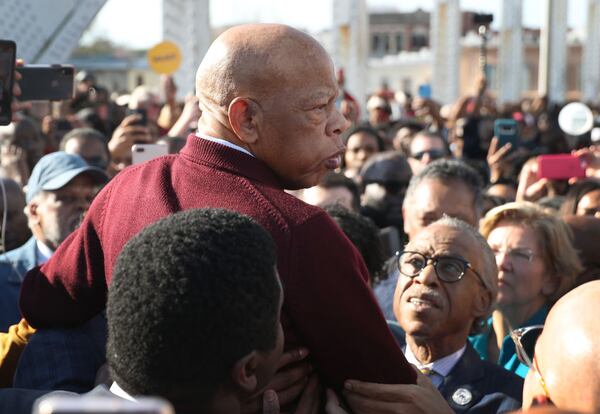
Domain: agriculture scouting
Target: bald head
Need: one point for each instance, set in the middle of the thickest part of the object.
(567, 352)
(253, 61)
(271, 90)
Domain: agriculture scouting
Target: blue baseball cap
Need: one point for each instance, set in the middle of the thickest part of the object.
(55, 170)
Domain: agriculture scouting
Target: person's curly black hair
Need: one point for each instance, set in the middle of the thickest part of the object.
(364, 234)
(190, 295)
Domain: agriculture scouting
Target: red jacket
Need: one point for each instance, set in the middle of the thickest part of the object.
(328, 306)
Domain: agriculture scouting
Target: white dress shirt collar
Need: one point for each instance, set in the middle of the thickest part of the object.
(120, 392)
(43, 254)
(442, 366)
(223, 142)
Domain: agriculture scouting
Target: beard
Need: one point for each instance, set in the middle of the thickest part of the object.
(56, 231)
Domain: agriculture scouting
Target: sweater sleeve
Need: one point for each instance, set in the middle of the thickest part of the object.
(71, 287)
(334, 312)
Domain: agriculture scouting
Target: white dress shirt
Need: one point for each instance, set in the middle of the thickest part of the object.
(120, 392)
(223, 142)
(43, 254)
(441, 367)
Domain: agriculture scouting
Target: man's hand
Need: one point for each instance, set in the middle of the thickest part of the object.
(308, 404)
(288, 382)
(500, 159)
(15, 105)
(591, 157)
(128, 133)
(371, 398)
(190, 114)
(332, 405)
(531, 188)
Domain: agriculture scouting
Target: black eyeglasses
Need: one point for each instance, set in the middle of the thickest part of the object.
(448, 269)
(434, 154)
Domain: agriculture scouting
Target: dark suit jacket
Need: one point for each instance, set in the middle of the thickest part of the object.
(487, 387)
(13, 267)
(63, 359)
(18, 401)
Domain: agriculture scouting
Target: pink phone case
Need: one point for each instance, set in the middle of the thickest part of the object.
(560, 167)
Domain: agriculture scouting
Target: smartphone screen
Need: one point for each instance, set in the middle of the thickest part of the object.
(7, 68)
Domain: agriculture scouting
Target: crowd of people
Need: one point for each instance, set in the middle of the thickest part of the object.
(297, 251)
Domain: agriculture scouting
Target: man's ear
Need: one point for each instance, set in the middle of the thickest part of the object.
(32, 213)
(482, 303)
(244, 116)
(243, 373)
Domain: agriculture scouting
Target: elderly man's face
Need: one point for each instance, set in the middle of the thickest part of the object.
(432, 199)
(301, 126)
(427, 307)
(60, 212)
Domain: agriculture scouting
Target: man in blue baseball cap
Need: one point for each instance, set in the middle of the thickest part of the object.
(58, 194)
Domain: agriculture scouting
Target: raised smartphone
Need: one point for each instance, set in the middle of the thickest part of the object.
(560, 167)
(46, 82)
(145, 152)
(507, 131)
(8, 50)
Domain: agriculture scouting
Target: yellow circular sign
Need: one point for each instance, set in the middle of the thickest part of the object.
(164, 58)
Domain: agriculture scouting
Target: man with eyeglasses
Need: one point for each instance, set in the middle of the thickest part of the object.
(447, 287)
(444, 187)
(565, 370)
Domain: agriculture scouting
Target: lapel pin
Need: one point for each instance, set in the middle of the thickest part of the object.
(462, 396)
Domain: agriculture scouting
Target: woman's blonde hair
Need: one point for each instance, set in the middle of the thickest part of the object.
(554, 237)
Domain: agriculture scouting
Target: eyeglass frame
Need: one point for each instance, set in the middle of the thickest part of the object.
(530, 253)
(530, 362)
(434, 261)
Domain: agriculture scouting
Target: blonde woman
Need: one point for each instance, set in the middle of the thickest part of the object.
(537, 263)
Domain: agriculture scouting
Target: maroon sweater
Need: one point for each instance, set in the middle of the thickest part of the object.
(328, 306)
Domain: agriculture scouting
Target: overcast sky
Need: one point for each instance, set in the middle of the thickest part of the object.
(137, 23)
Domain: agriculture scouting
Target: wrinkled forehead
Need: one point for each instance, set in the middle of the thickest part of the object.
(443, 239)
(310, 82)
